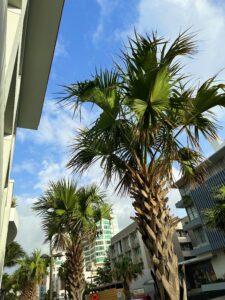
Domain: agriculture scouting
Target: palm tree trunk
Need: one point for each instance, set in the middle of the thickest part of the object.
(29, 292)
(157, 228)
(126, 290)
(75, 263)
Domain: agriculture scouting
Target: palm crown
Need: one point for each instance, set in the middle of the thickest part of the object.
(149, 114)
(70, 212)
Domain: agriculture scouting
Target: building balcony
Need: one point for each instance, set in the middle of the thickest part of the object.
(203, 248)
(187, 253)
(184, 239)
(13, 225)
(193, 224)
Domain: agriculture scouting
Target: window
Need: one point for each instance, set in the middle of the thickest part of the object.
(99, 248)
(99, 243)
(200, 235)
(186, 246)
(181, 233)
(192, 212)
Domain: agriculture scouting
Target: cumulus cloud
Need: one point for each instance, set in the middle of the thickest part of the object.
(61, 49)
(106, 9)
(30, 235)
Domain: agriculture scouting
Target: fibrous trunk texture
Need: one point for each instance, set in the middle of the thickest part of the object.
(127, 290)
(74, 265)
(157, 228)
(29, 292)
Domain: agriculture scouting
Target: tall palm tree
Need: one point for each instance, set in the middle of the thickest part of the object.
(69, 218)
(215, 216)
(13, 253)
(125, 270)
(32, 270)
(150, 120)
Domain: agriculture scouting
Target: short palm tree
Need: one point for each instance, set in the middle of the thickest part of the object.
(13, 253)
(215, 216)
(32, 270)
(63, 275)
(104, 273)
(69, 218)
(9, 287)
(125, 270)
(150, 120)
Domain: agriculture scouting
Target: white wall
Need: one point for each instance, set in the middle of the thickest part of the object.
(218, 263)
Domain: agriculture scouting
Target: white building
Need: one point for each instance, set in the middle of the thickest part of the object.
(128, 242)
(28, 32)
(96, 252)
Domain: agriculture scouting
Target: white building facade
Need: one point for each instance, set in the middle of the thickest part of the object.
(28, 32)
(128, 242)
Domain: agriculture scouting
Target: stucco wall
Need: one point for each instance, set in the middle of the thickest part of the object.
(218, 263)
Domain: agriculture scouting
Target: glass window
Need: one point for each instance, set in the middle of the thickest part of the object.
(181, 233)
(186, 246)
(192, 212)
(200, 235)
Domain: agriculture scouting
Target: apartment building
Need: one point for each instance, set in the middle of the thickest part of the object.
(208, 244)
(28, 32)
(128, 242)
(182, 241)
(96, 252)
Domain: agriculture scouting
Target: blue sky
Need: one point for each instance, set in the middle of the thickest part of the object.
(92, 32)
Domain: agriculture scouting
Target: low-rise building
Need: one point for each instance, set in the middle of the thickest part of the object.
(208, 244)
(128, 242)
(182, 241)
(28, 32)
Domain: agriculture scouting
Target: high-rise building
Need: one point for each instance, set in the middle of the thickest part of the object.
(96, 252)
(208, 267)
(28, 32)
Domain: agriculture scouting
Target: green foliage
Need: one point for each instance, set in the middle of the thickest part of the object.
(69, 213)
(215, 216)
(150, 113)
(32, 268)
(10, 287)
(125, 270)
(14, 201)
(13, 253)
(104, 273)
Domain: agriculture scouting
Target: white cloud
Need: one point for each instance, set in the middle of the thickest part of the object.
(205, 17)
(30, 234)
(26, 166)
(106, 8)
(61, 49)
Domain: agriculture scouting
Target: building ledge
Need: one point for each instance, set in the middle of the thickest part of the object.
(39, 44)
(201, 249)
(216, 286)
(193, 224)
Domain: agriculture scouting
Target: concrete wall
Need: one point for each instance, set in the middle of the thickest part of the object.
(218, 263)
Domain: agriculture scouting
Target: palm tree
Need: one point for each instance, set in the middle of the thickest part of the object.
(69, 219)
(150, 120)
(63, 275)
(9, 287)
(104, 273)
(32, 270)
(215, 216)
(125, 270)
(13, 253)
